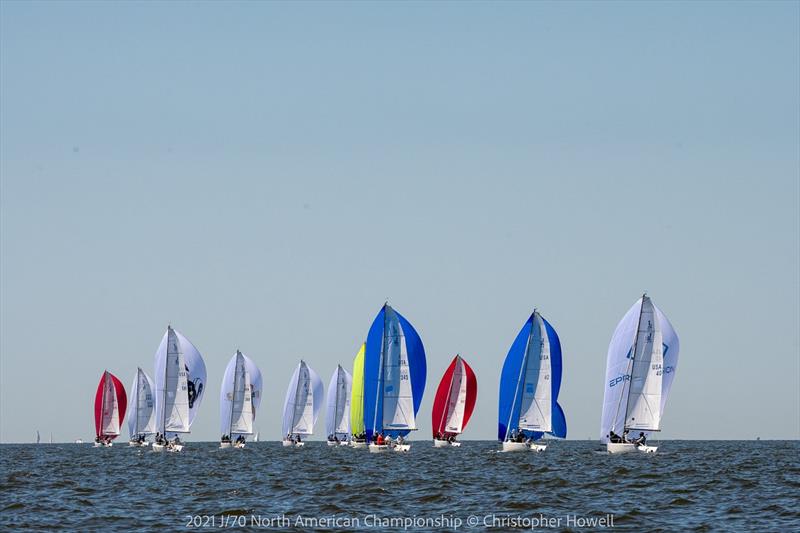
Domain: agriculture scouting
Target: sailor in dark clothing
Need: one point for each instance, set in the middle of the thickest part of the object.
(641, 440)
(614, 438)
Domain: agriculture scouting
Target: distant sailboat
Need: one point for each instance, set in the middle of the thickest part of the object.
(38, 438)
(109, 409)
(141, 412)
(640, 367)
(302, 404)
(337, 414)
(453, 404)
(51, 438)
(255, 437)
(529, 387)
(358, 439)
(180, 384)
(394, 380)
(240, 397)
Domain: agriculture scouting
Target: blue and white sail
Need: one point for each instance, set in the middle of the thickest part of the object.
(180, 380)
(394, 375)
(141, 405)
(303, 401)
(240, 396)
(640, 367)
(530, 383)
(337, 414)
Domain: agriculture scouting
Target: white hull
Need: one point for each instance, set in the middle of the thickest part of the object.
(621, 447)
(239, 445)
(378, 448)
(648, 449)
(402, 447)
(344, 443)
(103, 444)
(174, 448)
(290, 444)
(358, 444)
(538, 447)
(441, 443)
(137, 444)
(224, 445)
(332, 443)
(158, 447)
(509, 446)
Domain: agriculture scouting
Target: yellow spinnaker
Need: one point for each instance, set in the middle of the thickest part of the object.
(357, 394)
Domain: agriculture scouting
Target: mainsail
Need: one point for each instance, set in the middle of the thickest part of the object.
(141, 413)
(337, 414)
(357, 394)
(110, 403)
(303, 401)
(530, 383)
(640, 366)
(455, 399)
(394, 375)
(240, 395)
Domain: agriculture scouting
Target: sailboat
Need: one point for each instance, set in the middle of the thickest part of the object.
(239, 400)
(529, 386)
(641, 363)
(180, 384)
(337, 414)
(394, 380)
(255, 437)
(141, 415)
(109, 409)
(302, 404)
(38, 438)
(453, 404)
(358, 439)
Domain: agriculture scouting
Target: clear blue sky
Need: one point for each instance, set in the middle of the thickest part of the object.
(264, 175)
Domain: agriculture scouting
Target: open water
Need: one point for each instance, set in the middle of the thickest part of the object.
(688, 485)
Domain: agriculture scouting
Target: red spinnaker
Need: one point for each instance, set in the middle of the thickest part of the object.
(440, 402)
(122, 402)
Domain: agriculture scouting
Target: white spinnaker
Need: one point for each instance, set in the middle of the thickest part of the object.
(241, 405)
(172, 395)
(141, 413)
(303, 401)
(110, 422)
(643, 410)
(537, 393)
(337, 414)
(398, 399)
(617, 373)
(457, 400)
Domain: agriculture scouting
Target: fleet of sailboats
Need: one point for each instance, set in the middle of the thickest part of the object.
(376, 406)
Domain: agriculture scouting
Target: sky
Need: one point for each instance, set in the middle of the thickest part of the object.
(264, 176)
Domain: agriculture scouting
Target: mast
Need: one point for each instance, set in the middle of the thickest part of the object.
(628, 371)
(522, 368)
(380, 371)
(233, 396)
(449, 391)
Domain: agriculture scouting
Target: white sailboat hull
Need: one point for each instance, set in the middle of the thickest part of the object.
(441, 443)
(402, 447)
(509, 446)
(137, 444)
(620, 447)
(378, 448)
(158, 447)
(174, 448)
(332, 443)
(538, 447)
(358, 444)
(238, 445)
(224, 445)
(291, 444)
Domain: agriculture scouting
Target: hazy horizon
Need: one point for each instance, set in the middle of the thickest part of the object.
(263, 176)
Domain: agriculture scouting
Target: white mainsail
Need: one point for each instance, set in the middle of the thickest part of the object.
(643, 410)
(240, 395)
(398, 399)
(303, 401)
(337, 415)
(457, 400)
(141, 413)
(172, 393)
(536, 403)
(109, 423)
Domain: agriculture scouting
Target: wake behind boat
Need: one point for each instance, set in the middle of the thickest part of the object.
(301, 406)
(180, 383)
(640, 366)
(240, 396)
(394, 381)
(141, 413)
(109, 409)
(453, 404)
(529, 387)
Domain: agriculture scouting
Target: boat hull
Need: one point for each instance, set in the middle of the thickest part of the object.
(158, 447)
(509, 446)
(620, 447)
(538, 447)
(378, 448)
(358, 444)
(402, 447)
(224, 445)
(332, 443)
(441, 443)
(239, 445)
(137, 444)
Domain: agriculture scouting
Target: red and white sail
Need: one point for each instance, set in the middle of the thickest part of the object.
(110, 403)
(455, 399)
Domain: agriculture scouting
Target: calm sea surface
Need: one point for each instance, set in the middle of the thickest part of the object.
(688, 485)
